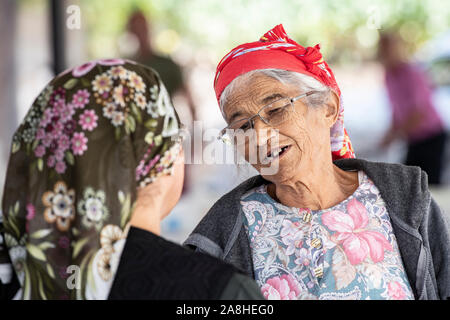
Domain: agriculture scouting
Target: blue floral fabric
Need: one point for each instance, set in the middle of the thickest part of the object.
(348, 251)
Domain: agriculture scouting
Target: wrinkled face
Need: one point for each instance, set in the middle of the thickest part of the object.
(304, 138)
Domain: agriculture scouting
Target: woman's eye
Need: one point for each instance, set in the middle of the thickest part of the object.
(245, 126)
(274, 111)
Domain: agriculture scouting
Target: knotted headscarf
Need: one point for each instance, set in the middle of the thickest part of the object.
(93, 136)
(276, 50)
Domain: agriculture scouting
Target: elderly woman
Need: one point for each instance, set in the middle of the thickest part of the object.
(324, 225)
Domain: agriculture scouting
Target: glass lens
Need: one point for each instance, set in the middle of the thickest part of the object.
(235, 133)
(278, 112)
(236, 137)
(243, 124)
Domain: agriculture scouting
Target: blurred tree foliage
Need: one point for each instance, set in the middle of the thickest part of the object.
(346, 29)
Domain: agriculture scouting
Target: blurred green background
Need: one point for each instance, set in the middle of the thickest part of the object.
(346, 29)
(216, 25)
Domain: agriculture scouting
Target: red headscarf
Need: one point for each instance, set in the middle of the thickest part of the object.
(275, 50)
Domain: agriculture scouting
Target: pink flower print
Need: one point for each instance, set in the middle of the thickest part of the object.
(63, 143)
(139, 169)
(47, 140)
(53, 147)
(57, 97)
(357, 241)
(111, 62)
(83, 69)
(302, 257)
(46, 117)
(59, 154)
(105, 95)
(56, 130)
(292, 241)
(66, 112)
(143, 170)
(395, 291)
(88, 120)
(51, 161)
(69, 127)
(88, 66)
(60, 167)
(154, 161)
(289, 228)
(79, 143)
(39, 152)
(59, 126)
(281, 288)
(80, 99)
(337, 142)
(31, 212)
(58, 106)
(40, 134)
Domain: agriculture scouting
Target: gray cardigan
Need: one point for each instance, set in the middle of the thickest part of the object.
(420, 227)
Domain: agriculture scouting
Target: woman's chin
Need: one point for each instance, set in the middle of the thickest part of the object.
(281, 168)
(278, 174)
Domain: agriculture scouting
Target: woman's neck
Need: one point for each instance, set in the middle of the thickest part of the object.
(146, 216)
(321, 187)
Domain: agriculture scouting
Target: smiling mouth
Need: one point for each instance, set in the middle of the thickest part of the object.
(277, 153)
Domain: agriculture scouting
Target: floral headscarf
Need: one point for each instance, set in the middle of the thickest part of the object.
(93, 136)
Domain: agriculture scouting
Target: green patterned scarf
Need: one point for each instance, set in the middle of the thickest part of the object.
(93, 136)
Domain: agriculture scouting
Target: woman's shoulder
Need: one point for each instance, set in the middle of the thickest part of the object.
(222, 225)
(161, 268)
(403, 188)
(387, 174)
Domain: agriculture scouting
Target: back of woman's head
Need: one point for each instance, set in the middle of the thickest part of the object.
(92, 138)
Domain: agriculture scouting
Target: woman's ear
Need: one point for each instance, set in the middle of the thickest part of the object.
(332, 109)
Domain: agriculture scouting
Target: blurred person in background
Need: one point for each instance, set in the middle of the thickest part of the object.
(94, 167)
(325, 225)
(170, 72)
(414, 117)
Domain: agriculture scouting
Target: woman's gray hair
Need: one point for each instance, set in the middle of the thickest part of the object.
(303, 82)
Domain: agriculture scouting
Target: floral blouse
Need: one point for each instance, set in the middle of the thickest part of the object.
(348, 251)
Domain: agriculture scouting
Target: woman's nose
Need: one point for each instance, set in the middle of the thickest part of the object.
(261, 131)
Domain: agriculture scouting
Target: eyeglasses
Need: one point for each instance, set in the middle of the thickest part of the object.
(273, 114)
